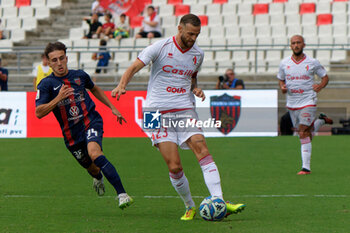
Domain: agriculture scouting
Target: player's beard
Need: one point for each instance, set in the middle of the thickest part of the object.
(298, 53)
(187, 43)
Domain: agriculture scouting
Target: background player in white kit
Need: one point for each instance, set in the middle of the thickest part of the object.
(173, 81)
(296, 78)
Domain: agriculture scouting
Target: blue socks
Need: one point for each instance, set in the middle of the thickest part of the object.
(98, 176)
(110, 173)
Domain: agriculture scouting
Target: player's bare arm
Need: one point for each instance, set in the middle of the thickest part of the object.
(44, 109)
(318, 87)
(197, 91)
(3, 77)
(127, 76)
(283, 86)
(101, 96)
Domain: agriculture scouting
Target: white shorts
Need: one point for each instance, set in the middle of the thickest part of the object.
(173, 131)
(304, 116)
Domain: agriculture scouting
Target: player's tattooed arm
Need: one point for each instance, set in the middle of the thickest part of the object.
(44, 109)
(323, 84)
(127, 76)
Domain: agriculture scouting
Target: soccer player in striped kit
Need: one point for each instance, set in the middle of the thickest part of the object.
(171, 89)
(296, 79)
(64, 93)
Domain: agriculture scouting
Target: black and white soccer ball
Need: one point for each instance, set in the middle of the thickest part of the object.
(212, 209)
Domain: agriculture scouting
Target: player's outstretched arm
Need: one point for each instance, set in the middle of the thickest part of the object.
(318, 87)
(283, 86)
(127, 76)
(101, 96)
(44, 109)
(197, 91)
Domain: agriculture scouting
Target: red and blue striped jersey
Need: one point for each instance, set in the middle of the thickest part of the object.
(76, 112)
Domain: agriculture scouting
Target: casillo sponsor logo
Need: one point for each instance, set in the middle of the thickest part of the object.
(171, 69)
(297, 91)
(303, 77)
(176, 90)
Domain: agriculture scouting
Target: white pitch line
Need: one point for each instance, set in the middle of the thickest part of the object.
(176, 197)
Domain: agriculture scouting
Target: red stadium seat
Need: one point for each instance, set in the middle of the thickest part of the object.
(204, 20)
(136, 21)
(280, 0)
(260, 9)
(219, 1)
(182, 10)
(174, 2)
(340, 0)
(307, 8)
(20, 3)
(324, 19)
(148, 2)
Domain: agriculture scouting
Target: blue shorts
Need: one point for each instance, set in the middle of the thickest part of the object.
(92, 134)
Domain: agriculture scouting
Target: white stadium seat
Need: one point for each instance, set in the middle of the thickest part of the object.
(229, 9)
(54, 3)
(263, 31)
(309, 30)
(215, 20)
(198, 9)
(242, 66)
(262, 19)
(292, 20)
(13, 23)
(38, 3)
(169, 21)
(9, 12)
(17, 35)
(277, 19)
(232, 32)
(213, 9)
(166, 10)
(308, 19)
(29, 23)
(323, 7)
(276, 8)
(222, 55)
(230, 20)
(244, 9)
(339, 7)
(25, 12)
(42, 12)
(340, 18)
(338, 55)
(248, 31)
(7, 3)
(293, 30)
(246, 20)
(291, 8)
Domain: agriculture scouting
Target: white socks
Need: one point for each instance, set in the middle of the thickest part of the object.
(306, 152)
(180, 183)
(211, 176)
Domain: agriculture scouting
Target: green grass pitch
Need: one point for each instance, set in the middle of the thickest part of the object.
(43, 189)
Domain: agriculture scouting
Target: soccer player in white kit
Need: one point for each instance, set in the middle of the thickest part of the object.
(296, 78)
(172, 84)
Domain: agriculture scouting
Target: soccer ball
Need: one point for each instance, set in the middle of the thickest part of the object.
(212, 209)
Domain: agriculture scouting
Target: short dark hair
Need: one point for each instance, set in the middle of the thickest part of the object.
(191, 19)
(109, 15)
(103, 42)
(152, 7)
(50, 47)
(123, 15)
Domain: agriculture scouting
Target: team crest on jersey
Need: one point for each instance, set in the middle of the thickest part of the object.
(288, 67)
(307, 68)
(77, 81)
(170, 55)
(227, 109)
(194, 60)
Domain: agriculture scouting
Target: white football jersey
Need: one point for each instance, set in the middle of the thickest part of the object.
(299, 79)
(169, 85)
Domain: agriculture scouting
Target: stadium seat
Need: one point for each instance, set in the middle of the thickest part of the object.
(265, 41)
(232, 32)
(323, 7)
(256, 55)
(323, 54)
(340, 18)
(340, 40)
(203, 41)
(249, 42)
(189, 2)
(308, 19)
(324, 19)
(234, 42)
(76, 33)
(340, 30)
(136, 21)
(171, 31)
(222, 55)
(53, 3)
(339, 7)
(224, 65)
(238, 55)
(10, 12)
(29, 23)
(291, 8)
(278, 19)
(230, 20)
(121, 56)
(217, 32)
(276, 8)
(280, 1)
(20, 3)
(292, 20)
(273, 55)
(244, 9)
(26, 11)
(260, 9)
(169, 21)
(325, 30)
(38, 3)
(263, 31)
(17, 35)
(311, 41)
(208, 66)
(215, 20)
(213, 9)
(80, 45)
(338, 55)
(221, 42)
(166, 10)
(247, 31)
(198, 9)
(242, 66)
(93, 44)
(219, 1)
(326, 40)
(42, 12)
(273, 66)
(182, 10)
(229, 9)
(174, 2)
(142, 43)
(7, 3)
(13, 23)
(309, 30)
(262, 19)
(280, 40)
(246, 20)
(204, 20)
(159, 2)
(307, 8)
(127, 44)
